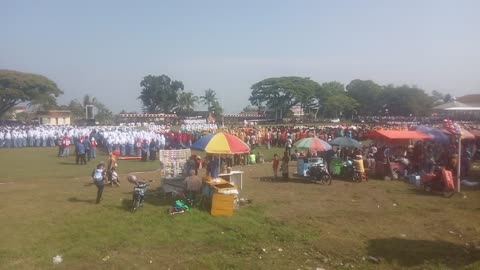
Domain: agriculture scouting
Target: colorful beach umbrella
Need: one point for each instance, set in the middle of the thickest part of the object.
(313, 144)
(220, 143)
(346, 142)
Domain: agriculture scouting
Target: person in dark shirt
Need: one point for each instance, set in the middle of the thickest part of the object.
(80, 153)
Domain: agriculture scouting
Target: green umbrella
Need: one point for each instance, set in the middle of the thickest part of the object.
(313, 144)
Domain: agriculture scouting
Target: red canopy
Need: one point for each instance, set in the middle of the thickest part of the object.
(476, 132)
(398, 134)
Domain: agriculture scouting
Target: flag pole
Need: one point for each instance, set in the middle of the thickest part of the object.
(459, 164)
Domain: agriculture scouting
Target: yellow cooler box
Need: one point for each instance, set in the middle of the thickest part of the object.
(222, 204)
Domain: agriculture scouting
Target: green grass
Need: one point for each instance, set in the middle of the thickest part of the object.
(47, 209)
(43, 163)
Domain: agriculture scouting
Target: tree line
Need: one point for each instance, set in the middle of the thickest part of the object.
(161, 94)
(276, 96)
(333, 99)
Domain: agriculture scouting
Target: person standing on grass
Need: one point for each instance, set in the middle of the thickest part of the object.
(93, 148)
(66, 146)
(288, 145)
(275, 165)
(98, 175)
(87, 145)
(284, 166)
(80, 153)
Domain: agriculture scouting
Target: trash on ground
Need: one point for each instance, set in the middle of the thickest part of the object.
(374, 259)
(57, 259)
(106, 258)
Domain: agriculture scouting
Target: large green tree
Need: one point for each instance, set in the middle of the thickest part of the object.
(18, 87)
(186, 102)
(159, 94)
(216, 109)
(406, 100)
(366, 93)
(209, 98)
(322, 93)
(340, 105)
(282, 93)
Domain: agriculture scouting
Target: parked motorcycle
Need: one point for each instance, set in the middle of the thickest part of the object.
(350, 172)
(139, 190)
(319, 174)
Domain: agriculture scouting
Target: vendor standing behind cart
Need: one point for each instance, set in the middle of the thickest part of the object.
(193, 184)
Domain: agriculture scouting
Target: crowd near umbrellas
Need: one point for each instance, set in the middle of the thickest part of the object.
(346, 142)
(221, 143)
(313, 144)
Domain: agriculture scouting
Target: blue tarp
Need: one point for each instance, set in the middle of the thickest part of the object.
(436, 134)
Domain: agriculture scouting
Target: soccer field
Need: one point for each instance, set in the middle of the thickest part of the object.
(48, 209)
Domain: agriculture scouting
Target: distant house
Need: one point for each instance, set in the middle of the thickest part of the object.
(19, 109)
(462, 108)
(54, 117)
(297, 111)
(470, 100)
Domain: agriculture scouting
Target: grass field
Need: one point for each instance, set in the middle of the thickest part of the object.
(48, 208)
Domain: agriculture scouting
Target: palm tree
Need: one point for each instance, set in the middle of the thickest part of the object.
(87, 100)
(209, 98)
(186, 102)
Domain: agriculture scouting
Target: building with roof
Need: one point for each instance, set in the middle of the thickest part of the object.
(470, 100)
(462, 108)
(54, 117)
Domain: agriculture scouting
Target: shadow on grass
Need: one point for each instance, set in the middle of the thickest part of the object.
(420, 192)
(411, 253)
(152, 197)
(68, 163)
(76, 200)
(280, 180)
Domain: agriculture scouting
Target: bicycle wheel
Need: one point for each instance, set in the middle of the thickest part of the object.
(135, 203)
(357, 178)
(316, 179)
(326, 179)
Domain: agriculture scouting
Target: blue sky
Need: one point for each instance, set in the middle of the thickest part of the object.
(105, 48)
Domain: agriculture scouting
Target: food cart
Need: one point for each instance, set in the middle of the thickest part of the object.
(172, 164)
(312, 145)
(304, 163)
(222, 192)
(390, 138)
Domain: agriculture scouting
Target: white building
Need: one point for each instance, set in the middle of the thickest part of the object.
(55, 117)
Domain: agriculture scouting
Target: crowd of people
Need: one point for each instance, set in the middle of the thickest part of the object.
(146, 142)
